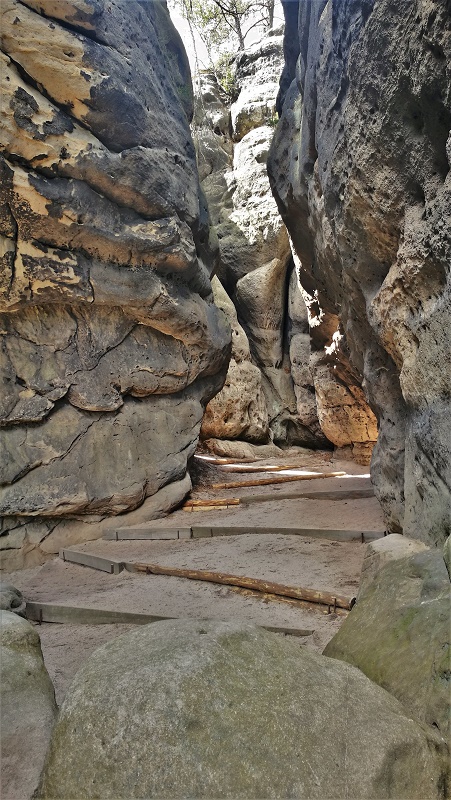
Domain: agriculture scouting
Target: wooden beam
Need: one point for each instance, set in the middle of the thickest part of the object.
(278, 479)
(262, 467)
(297, 592)
(89, 560)
(313, 494)
(202, 532)
(76, 615)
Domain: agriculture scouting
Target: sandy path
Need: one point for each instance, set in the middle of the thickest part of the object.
(294, 560)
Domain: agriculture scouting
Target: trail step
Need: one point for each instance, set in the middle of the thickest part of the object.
(76, 615)
(144, 531)
(207, 531)
(101, 563)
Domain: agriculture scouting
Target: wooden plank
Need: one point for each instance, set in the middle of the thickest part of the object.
(51, 612)
(123, 534)
(297, 592)
(213, 501)
(141, 532)
(278, 479)
(92, 561)
(208, 507)
(75, 615)
(320, 494)
(201, 532)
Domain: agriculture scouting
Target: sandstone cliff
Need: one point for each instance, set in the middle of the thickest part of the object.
(360, 170)
(269, 392)
(111, 342)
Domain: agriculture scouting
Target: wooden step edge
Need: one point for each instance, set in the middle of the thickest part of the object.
(202, 532)
(76, 615)
(143, 532)
(207, 531)
(93, 561)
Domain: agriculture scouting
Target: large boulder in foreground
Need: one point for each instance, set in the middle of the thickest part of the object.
(360, 167)
(28, 707)
(398, 633)
(111, 342)
(213, 709)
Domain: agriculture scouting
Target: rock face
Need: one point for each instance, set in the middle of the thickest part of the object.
(11, 599)
(360, 170)
(28, 707)
(218, 709)
(111, 342)
(398, 631)
(256, 271)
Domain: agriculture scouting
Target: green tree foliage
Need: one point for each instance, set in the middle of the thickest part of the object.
(224, 25)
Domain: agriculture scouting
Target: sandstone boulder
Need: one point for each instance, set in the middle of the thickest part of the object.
(239, 409)
(359, 167)
(11, 599)
(398, 631)
(111, 342)
(215, 709)
(28, 707)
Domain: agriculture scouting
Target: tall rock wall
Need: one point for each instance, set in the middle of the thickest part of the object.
(360, 170)
(111, 343)
(269, 392)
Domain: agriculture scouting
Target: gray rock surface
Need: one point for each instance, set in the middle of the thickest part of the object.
(447, 554)
(28, 708)
(360, 169)
(239, 409)
(111, 342)
(203, 709)
(398, 631)
(11, 599)
(256, 264)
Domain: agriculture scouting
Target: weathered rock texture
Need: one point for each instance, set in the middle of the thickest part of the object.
(28, 707)
(111, 342)
(398, 632)
(271, 379)
(360, 170)
(214, 709)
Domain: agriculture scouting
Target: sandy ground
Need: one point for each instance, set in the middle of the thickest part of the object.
(287, 559)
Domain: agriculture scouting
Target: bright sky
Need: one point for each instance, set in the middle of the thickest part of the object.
(184, 31)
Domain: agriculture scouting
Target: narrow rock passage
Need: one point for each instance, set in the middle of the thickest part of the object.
(296, 560)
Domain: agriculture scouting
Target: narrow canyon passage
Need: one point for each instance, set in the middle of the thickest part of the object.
(225, 429)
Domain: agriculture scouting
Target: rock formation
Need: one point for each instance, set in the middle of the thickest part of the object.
(28, 708)
(360, 169)
(214, 709)
(111, 342)
(398, 631)
(269, 378)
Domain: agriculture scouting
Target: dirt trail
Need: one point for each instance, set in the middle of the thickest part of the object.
(294, 560)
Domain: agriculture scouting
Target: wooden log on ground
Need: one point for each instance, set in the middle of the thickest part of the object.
(266, 597)
(218, 461)
(224, 501)
(76, 615)
(297, 592)
(262, 467)
(278, 479)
